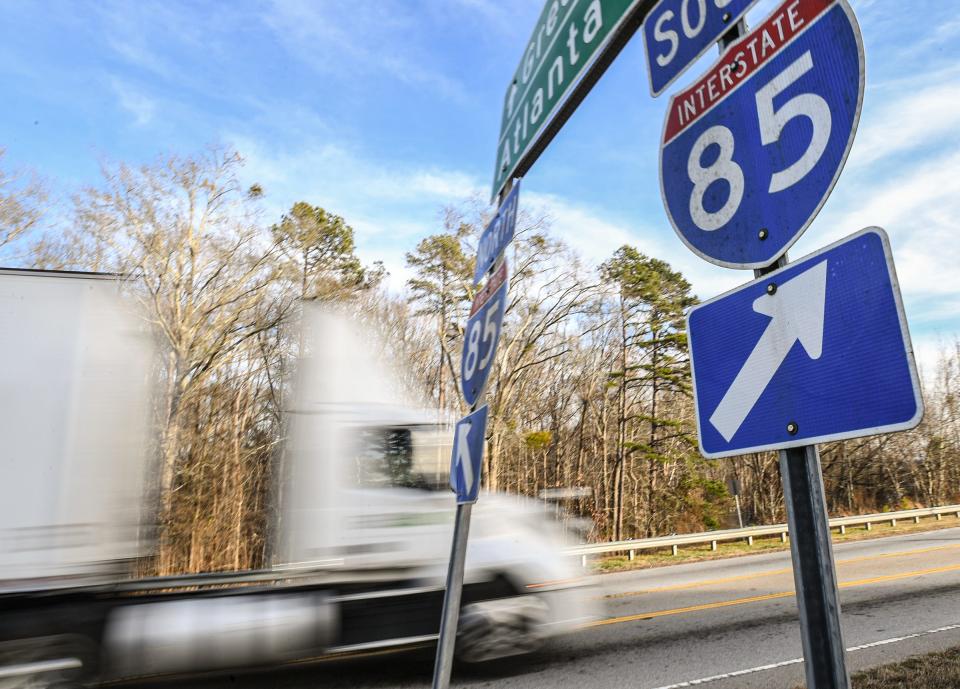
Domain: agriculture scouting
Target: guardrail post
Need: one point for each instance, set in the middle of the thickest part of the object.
(674, 549)
(939, 517)
(916, 519)
(583, 561)
(869, 526)
(633, 554)
(814, 571)
(893, 522)
(843, 529)
(749, 540)
(783, 536)
(713, 545)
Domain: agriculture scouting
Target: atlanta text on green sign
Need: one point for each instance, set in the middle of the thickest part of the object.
(568, 37)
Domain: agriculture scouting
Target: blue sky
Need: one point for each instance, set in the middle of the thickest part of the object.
(384, 111)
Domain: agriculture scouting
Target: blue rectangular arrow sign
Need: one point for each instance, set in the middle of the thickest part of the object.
(677, 32)
(815, 351)
(467, 458)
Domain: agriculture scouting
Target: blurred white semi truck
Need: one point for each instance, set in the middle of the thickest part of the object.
(361, 542)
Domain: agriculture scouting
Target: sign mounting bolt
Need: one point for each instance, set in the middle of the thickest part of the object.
(792, 428)
(763, 234)
(772, 288)
(726, 17)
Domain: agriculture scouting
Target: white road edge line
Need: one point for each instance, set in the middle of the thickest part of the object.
(795, 661)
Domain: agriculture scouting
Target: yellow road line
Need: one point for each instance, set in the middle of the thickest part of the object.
(773, 572)
(768, 596)
(902, 575)
(697, 584)
(691, 608)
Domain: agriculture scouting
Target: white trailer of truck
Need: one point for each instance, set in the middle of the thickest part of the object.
(362, 540)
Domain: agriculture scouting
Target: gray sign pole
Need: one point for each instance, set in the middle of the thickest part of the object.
(814, 570)
(446, 644)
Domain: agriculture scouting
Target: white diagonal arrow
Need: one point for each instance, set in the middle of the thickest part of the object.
(463, 454)
(796, 310)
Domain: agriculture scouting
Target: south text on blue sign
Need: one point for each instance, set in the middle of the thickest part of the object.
(677, 32)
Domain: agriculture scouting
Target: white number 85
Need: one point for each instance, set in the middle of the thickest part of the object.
(473, 341)
(772, 122)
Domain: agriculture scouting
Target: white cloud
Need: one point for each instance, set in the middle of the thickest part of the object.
(334, 175)
(357, 40)
(902, 124)
(137, 104)
(444, 184)
(919, 206)
(596, 234)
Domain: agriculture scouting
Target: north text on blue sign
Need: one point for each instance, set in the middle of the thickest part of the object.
(498, 234)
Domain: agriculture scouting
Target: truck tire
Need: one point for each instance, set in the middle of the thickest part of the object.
(500, 628)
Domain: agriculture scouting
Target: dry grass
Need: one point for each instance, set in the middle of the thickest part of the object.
(661, 558)
(933, 671)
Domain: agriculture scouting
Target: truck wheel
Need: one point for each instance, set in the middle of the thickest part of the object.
(501, 628)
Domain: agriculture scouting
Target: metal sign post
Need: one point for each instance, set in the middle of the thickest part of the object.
(446, 645)
(811, 550)
(481, 336)
(814, 571)
(802, 319)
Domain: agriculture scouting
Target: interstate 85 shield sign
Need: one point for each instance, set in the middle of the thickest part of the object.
(751, 151)
(482, 333)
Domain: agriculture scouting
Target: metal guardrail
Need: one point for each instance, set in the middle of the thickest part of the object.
(749, 533)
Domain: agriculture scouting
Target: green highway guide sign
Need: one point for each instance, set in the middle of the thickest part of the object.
(567, 40)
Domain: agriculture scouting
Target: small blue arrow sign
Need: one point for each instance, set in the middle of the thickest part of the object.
(751, 150)
(482, 333)
(467, 459)
(816, 351)
(677, 32)
(498, 234)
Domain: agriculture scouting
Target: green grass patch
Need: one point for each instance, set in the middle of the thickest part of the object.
(698, 553)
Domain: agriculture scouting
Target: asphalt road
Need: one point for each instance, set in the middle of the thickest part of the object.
(722, 624)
